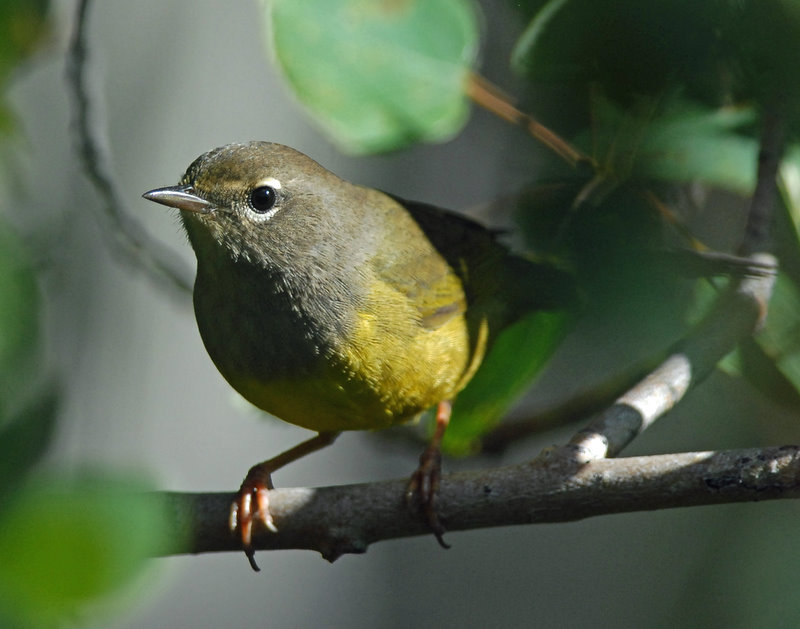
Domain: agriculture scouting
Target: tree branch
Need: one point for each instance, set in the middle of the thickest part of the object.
(762, 204)
(347, 519)
(736, 315)
(125, 233)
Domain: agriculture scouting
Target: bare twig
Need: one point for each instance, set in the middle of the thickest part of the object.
(127, 234)
(736, 315)
(347, 519)
(489, 96)
(762, 205)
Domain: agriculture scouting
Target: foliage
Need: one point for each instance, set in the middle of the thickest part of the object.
(378, 75)
(665, 100)
(63, 543)
(672, 96)
(23, 27)
(66, 544)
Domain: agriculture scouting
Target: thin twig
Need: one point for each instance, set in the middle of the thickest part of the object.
(347, 519)
(577, 407)
(736, 316)
(491, 98)
(126, 234)
(762, 204)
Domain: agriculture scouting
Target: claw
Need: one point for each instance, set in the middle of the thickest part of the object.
(424, 482)
(424, 486)
(257, 483)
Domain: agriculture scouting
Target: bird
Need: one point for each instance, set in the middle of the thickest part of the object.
(338, 307)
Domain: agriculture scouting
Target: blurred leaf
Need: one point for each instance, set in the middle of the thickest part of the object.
(770, 361)
(780, 337)
(22, 29)
(675, 141)
(19, 322)
(627, 47)
(378, 74)
(704, 296)
(716, 52)
(527, 8)
(790, 188)
(24, 439)
(506, 373)
(530, 53)
(22, 25)
(693, 144)
(762, 46)
(63, 546)
(762, 372)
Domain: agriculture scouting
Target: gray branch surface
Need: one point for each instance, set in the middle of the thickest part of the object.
(554, 488)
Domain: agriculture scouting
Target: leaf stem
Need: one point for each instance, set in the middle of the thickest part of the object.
(491, 98)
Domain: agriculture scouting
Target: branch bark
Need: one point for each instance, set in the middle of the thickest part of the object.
(554, 488)
(737, 314)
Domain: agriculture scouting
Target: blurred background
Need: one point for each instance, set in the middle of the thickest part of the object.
(174, 79)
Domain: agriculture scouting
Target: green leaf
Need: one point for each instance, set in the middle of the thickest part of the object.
(690, 143)
(25, 437)
(675, 141)
(378, 74)
(780, 338)
(752, 363)
(525, 57)
(516, 358)
(23, 26)
(20, 352)
(627, 48)
(64, 546)
(790, 190)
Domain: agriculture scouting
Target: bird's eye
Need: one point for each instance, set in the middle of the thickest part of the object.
(263, 199)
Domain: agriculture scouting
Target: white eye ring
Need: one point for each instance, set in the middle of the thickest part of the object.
(262, 204)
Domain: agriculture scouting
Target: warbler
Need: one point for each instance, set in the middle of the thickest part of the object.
(337, 307)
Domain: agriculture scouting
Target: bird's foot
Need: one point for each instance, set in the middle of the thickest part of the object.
(423, 488)
(251, 506)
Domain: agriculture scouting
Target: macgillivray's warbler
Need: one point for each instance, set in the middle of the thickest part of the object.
(338, 307)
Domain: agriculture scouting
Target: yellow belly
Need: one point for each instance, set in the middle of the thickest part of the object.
(373, 383)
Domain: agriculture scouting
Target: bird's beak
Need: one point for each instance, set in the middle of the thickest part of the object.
(181, 198)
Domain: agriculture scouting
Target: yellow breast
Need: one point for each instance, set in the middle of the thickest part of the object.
(391, 369)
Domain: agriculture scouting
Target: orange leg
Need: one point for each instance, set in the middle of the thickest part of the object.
(424, 482)
(256, 485)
